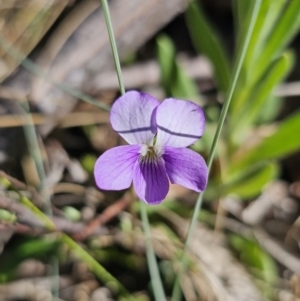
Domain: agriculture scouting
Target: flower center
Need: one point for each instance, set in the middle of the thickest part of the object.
(150, 153)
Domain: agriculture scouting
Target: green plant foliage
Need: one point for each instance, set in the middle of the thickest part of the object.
(251, 181)
(285, 28)
(256, 101)
(173, 77)
(281, 143)
(206, 41)
(88, 162)
(255, 258)
(39, 248)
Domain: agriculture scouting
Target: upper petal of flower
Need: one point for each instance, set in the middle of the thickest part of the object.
(179, 123)
(150, 181)
(185, 167)
(133, 117)
(114, 169)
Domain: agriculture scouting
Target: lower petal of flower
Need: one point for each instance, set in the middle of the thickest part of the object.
(114, 169)
(185, 167)
(150, 181)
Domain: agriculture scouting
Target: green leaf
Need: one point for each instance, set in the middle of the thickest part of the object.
(26, 248)
(250, 181)
(268, 15)
(276, 73)
(240, 12)
(270, 110)
(207, 41)
(256, 258)
(284, 141)
(173, 77)
(256, 101)
(285, 29)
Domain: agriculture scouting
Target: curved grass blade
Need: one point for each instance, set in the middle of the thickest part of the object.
(173, 78)
(206, 40)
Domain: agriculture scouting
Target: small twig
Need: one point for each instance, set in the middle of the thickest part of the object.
(71, 120)
(103, 218)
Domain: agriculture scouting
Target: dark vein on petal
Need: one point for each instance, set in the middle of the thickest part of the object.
(178, 134)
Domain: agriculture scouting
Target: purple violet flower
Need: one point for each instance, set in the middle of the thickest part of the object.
(158, 134)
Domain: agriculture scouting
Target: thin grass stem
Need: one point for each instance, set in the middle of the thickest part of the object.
(176, 294)
(34, 150)
(156, 282)
(113, 44)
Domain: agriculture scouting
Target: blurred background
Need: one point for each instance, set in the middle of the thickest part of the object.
(57, 84)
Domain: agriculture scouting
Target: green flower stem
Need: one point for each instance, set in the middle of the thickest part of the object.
(113, 44)
(176, 295)
(151, 259)
(37, 71)
(157, 286)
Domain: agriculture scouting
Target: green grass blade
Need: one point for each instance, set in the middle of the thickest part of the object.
(256, 101)
(268, 15)
(240, 13)
(251, 181)
(240, 59)
(113, 44)
(284, 141)
(173, 78)
(206, 41)
(157, 286)
(286, 28)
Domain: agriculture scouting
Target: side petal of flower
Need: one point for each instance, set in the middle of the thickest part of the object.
(114, 169)
(133, 117)
(185, 167)
(150, 181)
(179, 123)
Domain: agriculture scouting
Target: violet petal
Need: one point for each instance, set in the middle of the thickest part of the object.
(150, 181)
(179, 123)
(132, 116)
(114, 169)
(186, 167)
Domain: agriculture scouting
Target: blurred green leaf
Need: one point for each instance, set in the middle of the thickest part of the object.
(207, 41)
(269, 110)
(279, 69)
(260, 94)
(286, 27)
(284, 141)
(240, 12)
(25, 248)
(173, 78)
(268, 15)
(249, 182)
(255, 257)
(88, 162)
